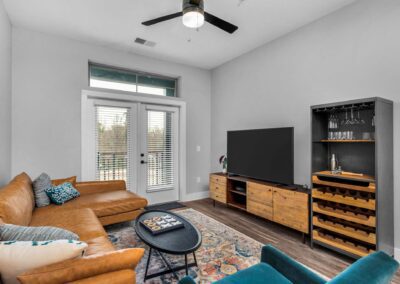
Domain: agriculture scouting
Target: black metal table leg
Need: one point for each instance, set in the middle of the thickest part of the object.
(169, 269)
(168, 265)
(186, 265)
(147, 265)
(195, 259)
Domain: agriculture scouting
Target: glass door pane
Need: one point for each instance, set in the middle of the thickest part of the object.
(113, 143)
(160, 150)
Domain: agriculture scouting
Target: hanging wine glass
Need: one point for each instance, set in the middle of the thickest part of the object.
(348, 121)
(373, 120)
(336, 121)
(344, 120)
(353, 119)
(361, 121)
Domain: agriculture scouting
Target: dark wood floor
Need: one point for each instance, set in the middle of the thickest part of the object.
(287, 240)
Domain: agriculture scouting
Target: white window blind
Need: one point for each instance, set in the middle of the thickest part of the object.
(113, 145)
(160, 150)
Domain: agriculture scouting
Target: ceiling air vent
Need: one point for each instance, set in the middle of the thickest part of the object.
(142, 41)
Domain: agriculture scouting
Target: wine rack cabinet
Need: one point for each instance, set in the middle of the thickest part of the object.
(352, 212)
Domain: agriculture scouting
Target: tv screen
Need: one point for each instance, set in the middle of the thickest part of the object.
(264, 154)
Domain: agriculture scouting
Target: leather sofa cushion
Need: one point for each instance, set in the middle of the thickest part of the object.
(103, 204)
(82, 222)
(91, 187)
(17, 201)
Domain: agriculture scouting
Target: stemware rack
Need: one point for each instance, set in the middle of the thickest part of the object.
(352, 213)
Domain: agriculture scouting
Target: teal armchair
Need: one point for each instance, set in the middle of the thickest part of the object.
(278, 268)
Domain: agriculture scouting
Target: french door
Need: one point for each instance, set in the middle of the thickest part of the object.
(138, 143)
(159, 158)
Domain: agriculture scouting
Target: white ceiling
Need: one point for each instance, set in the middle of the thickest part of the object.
(116, 23)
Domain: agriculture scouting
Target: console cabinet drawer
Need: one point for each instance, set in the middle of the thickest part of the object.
(218, 196)
(259, 193)
(259, 209)
(218, 179)
(291, 209)
(218, 188)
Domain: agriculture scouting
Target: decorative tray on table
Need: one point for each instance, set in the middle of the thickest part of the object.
(161, 224)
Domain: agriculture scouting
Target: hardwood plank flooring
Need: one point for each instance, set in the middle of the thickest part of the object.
(289, 241)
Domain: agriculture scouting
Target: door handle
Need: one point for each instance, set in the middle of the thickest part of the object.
(143, 162)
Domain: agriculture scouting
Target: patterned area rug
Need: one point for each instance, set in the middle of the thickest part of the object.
(223, 251)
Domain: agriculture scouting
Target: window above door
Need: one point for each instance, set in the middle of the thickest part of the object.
(106, 77)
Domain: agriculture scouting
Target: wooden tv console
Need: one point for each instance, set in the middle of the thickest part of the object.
(284, 205)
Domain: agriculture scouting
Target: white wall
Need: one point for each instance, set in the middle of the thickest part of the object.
(5, 96)
(353, 53)
(49, 73)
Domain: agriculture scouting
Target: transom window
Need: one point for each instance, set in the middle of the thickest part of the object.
(106, 77)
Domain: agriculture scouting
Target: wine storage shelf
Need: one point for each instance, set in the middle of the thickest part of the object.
(352, 210)
(347, 215)
(357, 184)
(343, 199)
(345, 229)
(345, 245)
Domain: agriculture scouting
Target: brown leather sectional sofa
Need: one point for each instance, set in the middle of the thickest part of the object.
(100, 203)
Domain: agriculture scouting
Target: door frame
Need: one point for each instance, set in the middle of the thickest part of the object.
(87, 119)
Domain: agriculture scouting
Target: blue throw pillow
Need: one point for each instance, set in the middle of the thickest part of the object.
(62, 193)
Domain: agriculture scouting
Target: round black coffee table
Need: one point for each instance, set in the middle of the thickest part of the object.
(181, 241)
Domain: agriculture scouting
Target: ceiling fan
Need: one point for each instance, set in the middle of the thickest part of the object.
(193, 16)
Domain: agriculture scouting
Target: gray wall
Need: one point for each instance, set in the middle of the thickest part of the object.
(5, 96)
(353, 53)
(49, 73)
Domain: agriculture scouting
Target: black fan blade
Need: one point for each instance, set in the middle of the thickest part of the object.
(162, 19)
(228, 27)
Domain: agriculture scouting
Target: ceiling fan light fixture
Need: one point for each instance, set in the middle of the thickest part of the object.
(193, 17)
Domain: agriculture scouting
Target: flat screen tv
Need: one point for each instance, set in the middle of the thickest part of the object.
(264, 154)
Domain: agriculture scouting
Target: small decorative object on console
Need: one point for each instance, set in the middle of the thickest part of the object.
(161, 224)
(223, 160)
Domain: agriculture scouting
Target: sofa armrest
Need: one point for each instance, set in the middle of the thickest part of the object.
(377, 267)
(187, 280)
(116, 277)
(85, 267)
(288, 267)
(90, 187)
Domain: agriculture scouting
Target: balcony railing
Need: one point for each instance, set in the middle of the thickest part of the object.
(114, 166)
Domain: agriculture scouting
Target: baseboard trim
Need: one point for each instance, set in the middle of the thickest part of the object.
(397, 254)
(196, 196)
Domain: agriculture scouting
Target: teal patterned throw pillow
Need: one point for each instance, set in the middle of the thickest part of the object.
(62, 193)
